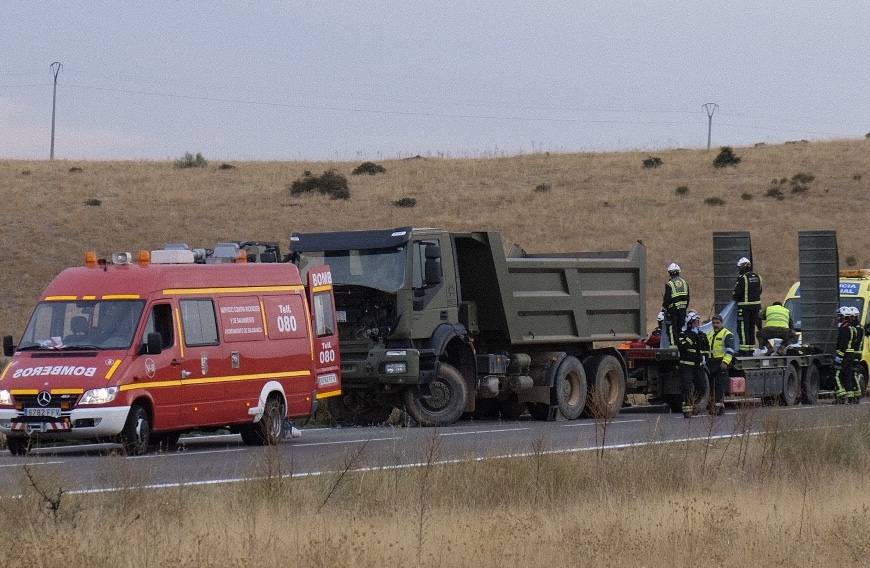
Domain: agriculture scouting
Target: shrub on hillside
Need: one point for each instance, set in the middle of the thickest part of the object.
(543, 188)
(25, 172)
(75, 170)
(682, 191)
(368, 168)
(851, 261)
(226, 167)
(800, 182)
(746, 196)
(329, 183)
(775, 192)
(714, 201)
(191, 161)
(725, 158)
(653, 162)
(92, 202)
(856, 177)
(405, 202)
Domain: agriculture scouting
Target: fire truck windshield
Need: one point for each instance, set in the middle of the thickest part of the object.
(382, 269)
(82, 325)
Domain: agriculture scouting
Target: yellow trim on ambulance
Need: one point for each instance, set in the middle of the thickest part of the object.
(328, 394)
(231, 290)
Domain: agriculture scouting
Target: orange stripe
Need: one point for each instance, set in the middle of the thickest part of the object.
(180, 332)
(328, 394)
(263, 313)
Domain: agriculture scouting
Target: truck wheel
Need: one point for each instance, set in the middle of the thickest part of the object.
(445, 401)
(791, 387)
(810, 385)
(606, 386)
(18, 446)
(137, 432)
(570, 388)
(270, 429)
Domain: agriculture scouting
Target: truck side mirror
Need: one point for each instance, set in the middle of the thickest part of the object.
(8, 348)
(433, 272)
(153, 344)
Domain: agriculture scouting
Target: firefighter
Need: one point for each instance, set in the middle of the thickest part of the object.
(853, 354)
(675, 303)
(844, 376)
(747, 295)
(655, 336)
(693, 348)
(776, 323)
(722, 348)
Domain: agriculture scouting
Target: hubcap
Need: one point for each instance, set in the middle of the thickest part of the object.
(571, 389)
(439, 395)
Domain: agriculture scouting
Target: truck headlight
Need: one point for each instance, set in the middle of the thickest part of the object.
(99, 396)
(6, 398)
(396, 368)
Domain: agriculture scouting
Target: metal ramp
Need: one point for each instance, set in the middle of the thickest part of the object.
(819, 288)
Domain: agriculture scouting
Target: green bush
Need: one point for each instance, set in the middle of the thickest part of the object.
(725, 158)
(775, 192)
(746, 196)
(368, 168)
(714, 201)
(329, 183)
(405, 202)
(543, 188)
(191, 161)
(92, 202)
(653, 162)
(682, 191)
(800, 182)
(856, 177)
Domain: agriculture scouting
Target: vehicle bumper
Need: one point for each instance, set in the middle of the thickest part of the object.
(82, 424)
(384, 366)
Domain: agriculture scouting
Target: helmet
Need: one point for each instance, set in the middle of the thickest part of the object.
(660, 317)
(854, 312)
(844, 311)
(673, 268)
(744, 262)
(692, 316)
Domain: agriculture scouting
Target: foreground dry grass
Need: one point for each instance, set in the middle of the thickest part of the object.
(784, 499)
(597, 201)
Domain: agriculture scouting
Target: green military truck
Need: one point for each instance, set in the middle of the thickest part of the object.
(443, 323)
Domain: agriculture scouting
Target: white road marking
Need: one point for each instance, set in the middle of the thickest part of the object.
(190, 453)
(470, 432)
(360, 441)
(600, 423)
(29, 463)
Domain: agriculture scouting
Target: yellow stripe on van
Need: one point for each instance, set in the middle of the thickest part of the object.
(23, 391)
(121, 297)
(113, 368)
(328, 394)
(324, 288)
(180, 333)
(59, 298)
(210, 380)
(156, 384)
(5, 370)
(231, 290)
(67, 391)
(263, 313)
(89, 297)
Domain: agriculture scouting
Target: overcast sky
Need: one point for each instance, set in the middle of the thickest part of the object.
(348, 80)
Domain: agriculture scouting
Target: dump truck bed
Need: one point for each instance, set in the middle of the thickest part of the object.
(558, 298)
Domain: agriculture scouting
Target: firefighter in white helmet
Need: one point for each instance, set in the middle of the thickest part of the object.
(694, 351)
(675, 303)
(853, 356)
(747, 295)
(844, 372)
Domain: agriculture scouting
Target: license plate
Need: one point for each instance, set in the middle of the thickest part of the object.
(341, 316)
(50, 412)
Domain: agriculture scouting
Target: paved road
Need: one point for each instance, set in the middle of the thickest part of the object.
(224, 459)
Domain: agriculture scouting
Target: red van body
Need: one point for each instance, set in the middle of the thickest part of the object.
(139, 353)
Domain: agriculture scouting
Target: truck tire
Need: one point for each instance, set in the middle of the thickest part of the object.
(791, 387)
(136, 435)
(445, 401)
(270, 429)
(810, 385)
(606, 386)
(18, 445)
(570, 389)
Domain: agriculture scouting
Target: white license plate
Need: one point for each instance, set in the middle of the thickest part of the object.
(49, 412)
(341, 316)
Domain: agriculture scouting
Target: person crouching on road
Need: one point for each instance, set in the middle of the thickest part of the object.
(747, 295)
(853, 355)
(693, 346)
(722, 346)
(844, 373)
(776, 324)
(675, 303)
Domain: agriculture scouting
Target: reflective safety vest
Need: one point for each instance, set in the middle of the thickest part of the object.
(747, 290)
(856, 342)
(677, 293)
(776, 316)
(722, 344)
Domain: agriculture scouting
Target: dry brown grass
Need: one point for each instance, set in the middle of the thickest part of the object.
(597, 201)
(767, 502)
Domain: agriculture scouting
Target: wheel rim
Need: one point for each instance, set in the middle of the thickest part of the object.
(275, 424)
(609, 397)
(141, 431)
(439, 395)
(571, 389)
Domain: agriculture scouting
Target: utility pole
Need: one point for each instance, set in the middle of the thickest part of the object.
(55, 70)
(711, 109)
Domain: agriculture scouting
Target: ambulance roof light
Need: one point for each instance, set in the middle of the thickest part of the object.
(144, 258)
(122, 258)
(90, 258)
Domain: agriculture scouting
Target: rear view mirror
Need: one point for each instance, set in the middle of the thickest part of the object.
(433, 252)
(433, 272)
(153, 344)
(8, 348)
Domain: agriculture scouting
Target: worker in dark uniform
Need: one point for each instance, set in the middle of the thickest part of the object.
(722, 348)
(853, 354)
(747, 295)
(844, 376)
(655, 336)
(776, 323)
(693, 347)
(675, 303)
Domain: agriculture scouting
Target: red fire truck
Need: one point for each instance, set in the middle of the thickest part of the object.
(139, 350)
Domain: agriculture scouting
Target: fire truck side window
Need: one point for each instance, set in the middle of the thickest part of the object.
(198, 322)
(160, 321)
(323, 321)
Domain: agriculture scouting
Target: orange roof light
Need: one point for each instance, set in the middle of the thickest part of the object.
(144, 257)
(242, 258)
(90, 258)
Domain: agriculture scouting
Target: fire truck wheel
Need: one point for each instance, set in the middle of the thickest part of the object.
(570, 388)
(137, 432)
(18, 446)
(270, 429)
(444, 402)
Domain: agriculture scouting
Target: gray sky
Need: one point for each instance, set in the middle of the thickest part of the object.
(327, 80)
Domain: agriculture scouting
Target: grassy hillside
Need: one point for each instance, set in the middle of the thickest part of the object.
(596, 201)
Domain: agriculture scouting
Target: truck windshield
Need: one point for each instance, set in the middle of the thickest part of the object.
(381, 269)
(82, 325)
(794, 306)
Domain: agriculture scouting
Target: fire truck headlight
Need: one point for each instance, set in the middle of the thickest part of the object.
(99, 396)
(6, 398)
